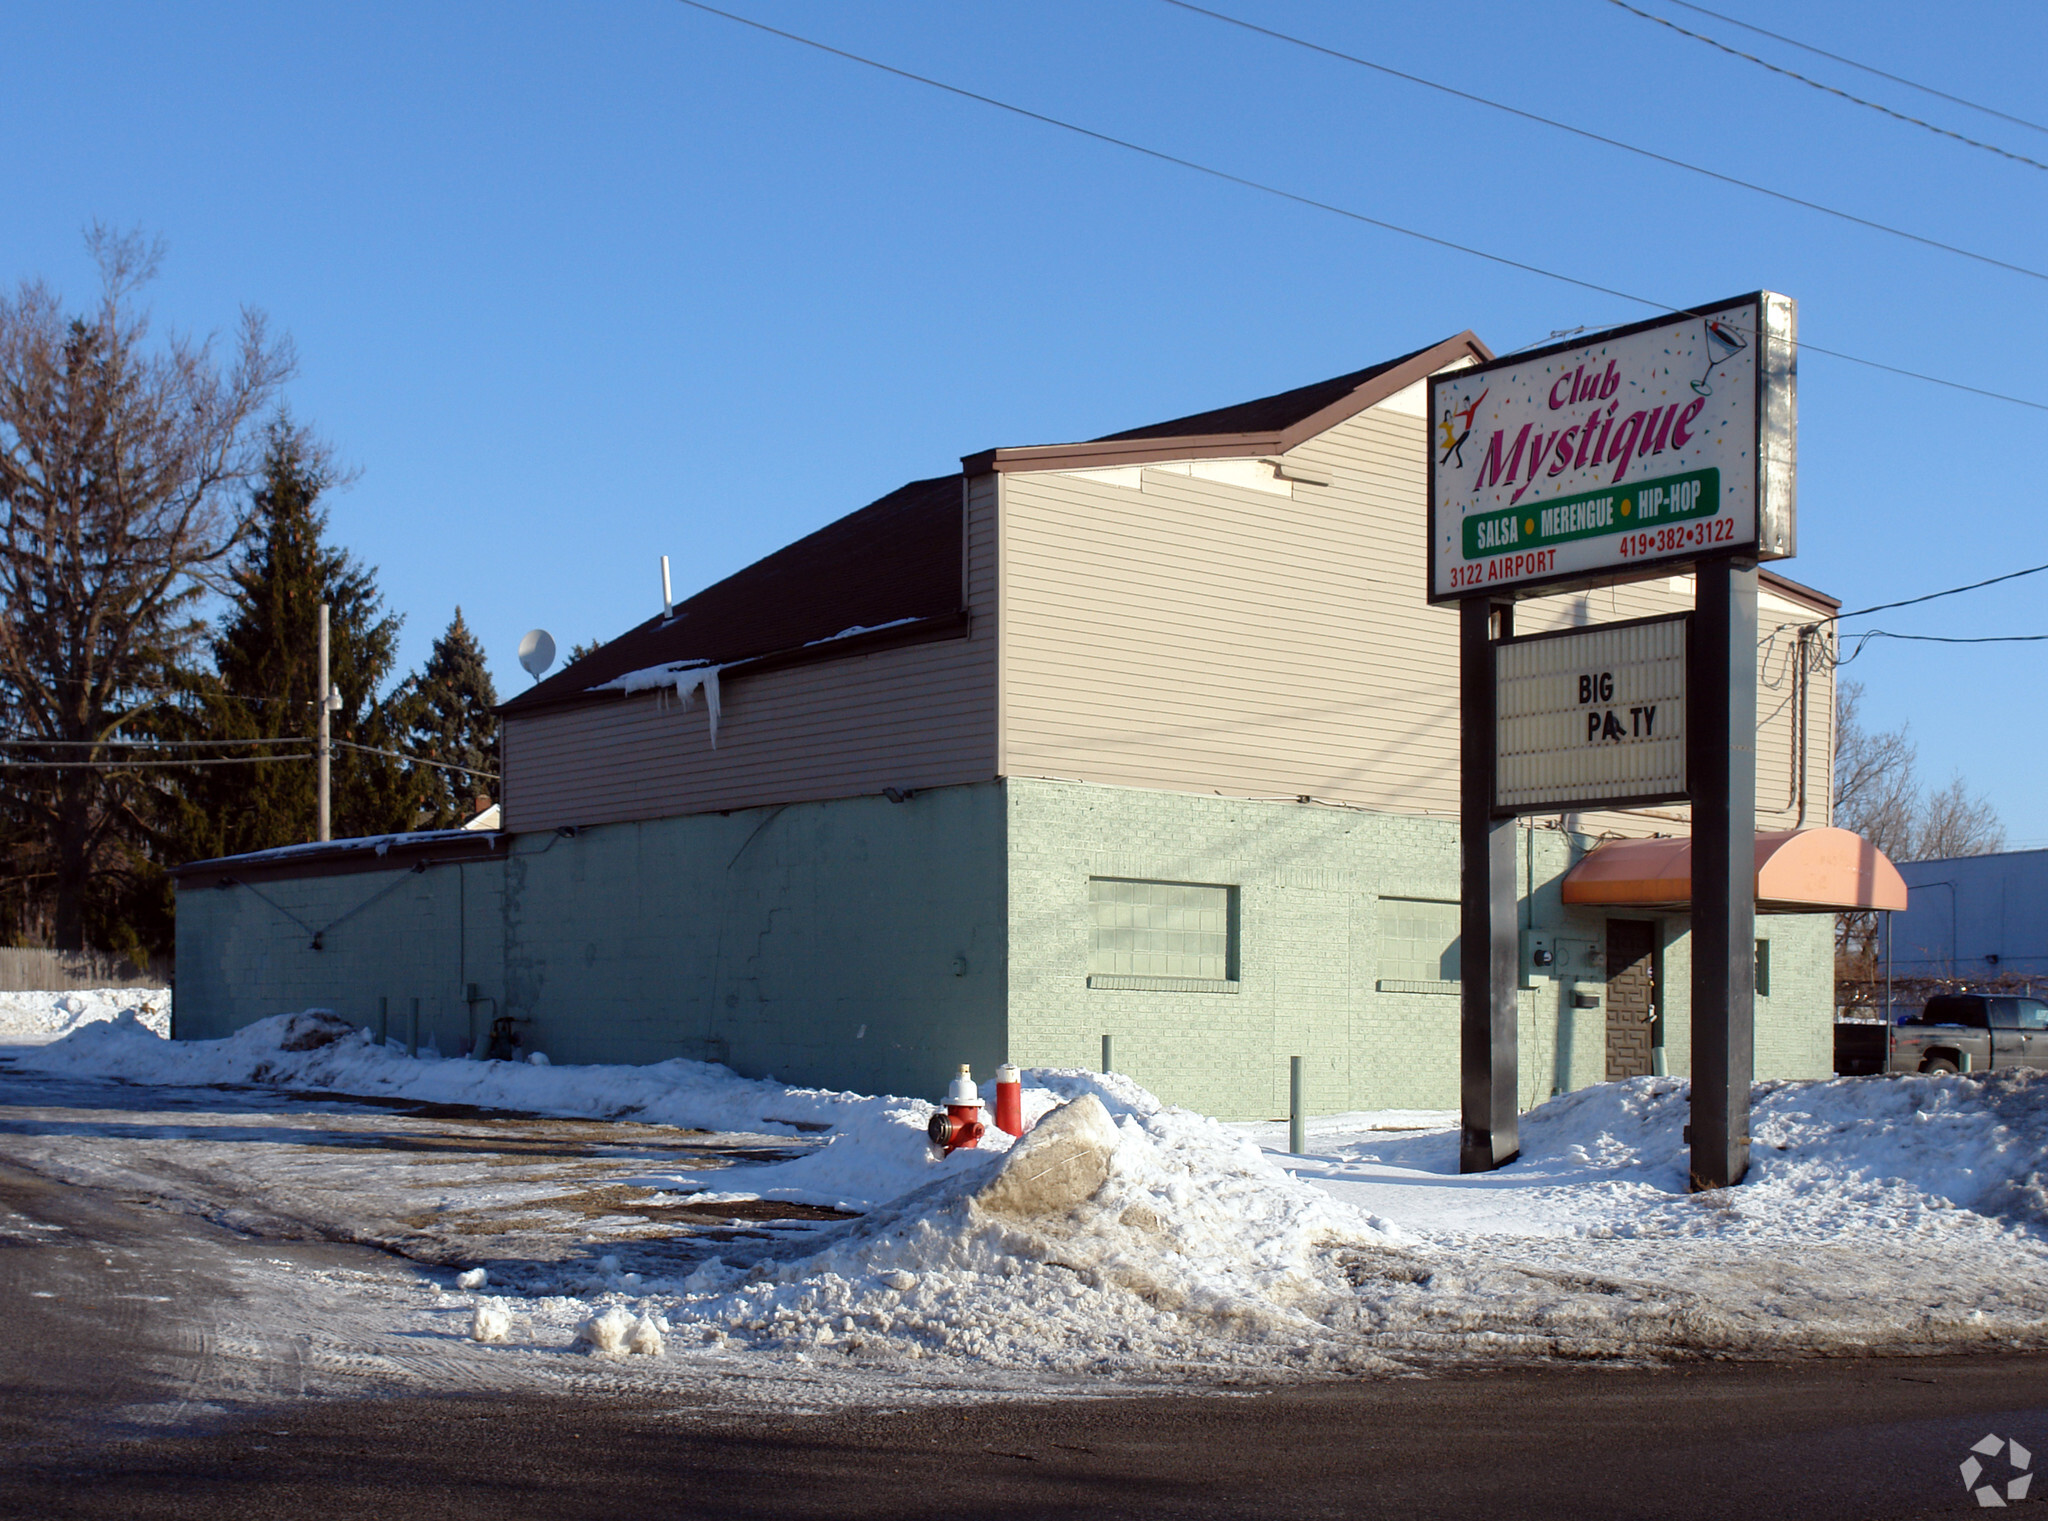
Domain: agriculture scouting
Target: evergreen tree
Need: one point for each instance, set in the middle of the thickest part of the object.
(451, 722)
(267, 671)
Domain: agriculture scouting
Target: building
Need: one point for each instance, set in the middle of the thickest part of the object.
(1975, 919)
(1152, 737)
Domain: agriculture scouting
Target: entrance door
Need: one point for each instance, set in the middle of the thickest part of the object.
(1631, 996)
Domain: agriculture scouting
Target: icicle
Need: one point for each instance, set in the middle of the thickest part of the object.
(704, 679)
(686, 682)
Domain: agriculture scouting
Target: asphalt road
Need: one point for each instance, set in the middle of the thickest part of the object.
(100, 1296)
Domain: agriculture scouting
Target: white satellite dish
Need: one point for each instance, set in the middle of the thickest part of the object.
(537, 652)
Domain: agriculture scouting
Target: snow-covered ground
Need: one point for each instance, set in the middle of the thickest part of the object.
(1130, 1241)
(36, 1019)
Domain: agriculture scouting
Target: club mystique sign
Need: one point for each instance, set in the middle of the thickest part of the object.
(1630, 453)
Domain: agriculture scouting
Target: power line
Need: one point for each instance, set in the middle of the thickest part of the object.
(150, 744)
(1612, 142)
(1807, 47)
(2018, 158)
(146, 765)
(1879, 633)
(418, 760)
(1314, 204)
(1181, 163)
(1881, 607)
(1861, 641)
(236, 760)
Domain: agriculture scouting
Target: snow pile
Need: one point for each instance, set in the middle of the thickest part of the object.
(1882, 1213)
(1830, 1159)
(1117, 1235)
(618, 1332)
(1124, 1237)
(492, 1322)
(35, 1019)
(319, 1051)
(1843, 1158)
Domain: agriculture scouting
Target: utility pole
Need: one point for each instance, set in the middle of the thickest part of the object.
(324, 747)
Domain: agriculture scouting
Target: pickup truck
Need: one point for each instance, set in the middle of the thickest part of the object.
(1972, 1032)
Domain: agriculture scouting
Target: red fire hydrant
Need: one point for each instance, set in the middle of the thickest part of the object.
(961, 1124)
(1009, 1100)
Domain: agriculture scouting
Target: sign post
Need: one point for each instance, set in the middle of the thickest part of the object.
(1721, 759)
(1488, 930)
(1664, 446)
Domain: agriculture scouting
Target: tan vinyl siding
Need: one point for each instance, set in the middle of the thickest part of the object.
(1200, 636)
(920, 715)
(1196, 635)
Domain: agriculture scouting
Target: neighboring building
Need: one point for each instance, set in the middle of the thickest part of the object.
(1976, 919)
(1153, 736)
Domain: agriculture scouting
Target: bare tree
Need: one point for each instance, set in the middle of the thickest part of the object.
(120, 468)
(1953, 823)
(1877, 793)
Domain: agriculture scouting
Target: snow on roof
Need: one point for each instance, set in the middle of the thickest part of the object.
(375, 844)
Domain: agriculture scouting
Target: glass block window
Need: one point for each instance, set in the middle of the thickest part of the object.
(1418, 940)
(1161, 929)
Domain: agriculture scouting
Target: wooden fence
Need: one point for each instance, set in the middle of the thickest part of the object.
(33, 969)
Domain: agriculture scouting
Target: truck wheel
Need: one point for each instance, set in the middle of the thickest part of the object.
(1938, 1064)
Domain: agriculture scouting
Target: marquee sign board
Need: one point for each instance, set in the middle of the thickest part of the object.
(1591, 717)
(1634, 453)
(1666, 445)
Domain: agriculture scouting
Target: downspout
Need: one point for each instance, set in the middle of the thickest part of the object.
(1805, 728)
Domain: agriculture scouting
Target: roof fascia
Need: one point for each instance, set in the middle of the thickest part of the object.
(1108, 454)
(1798, 591)
(1127, 451)
(1386, 384)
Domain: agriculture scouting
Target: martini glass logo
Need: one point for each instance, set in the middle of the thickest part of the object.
(2017, 1461)
(1723, 344)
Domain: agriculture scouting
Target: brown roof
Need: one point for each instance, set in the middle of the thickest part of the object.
(1269, 425)
(895, 559)
(1268, 414)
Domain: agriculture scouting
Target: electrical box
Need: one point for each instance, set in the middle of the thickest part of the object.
(1561, 956)
(1581, 960)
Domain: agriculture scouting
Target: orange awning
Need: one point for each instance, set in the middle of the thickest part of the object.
(1801, 871)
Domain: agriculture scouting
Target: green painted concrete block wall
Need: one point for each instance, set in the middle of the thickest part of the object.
(1310, 883)
(852, 944)
(387, 938)
(868, 945)
(849, 944)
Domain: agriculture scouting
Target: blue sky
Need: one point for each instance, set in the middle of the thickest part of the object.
(577, 286)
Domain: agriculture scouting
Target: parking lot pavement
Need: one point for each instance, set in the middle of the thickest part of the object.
(1817, 1440)
(115, 1401)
